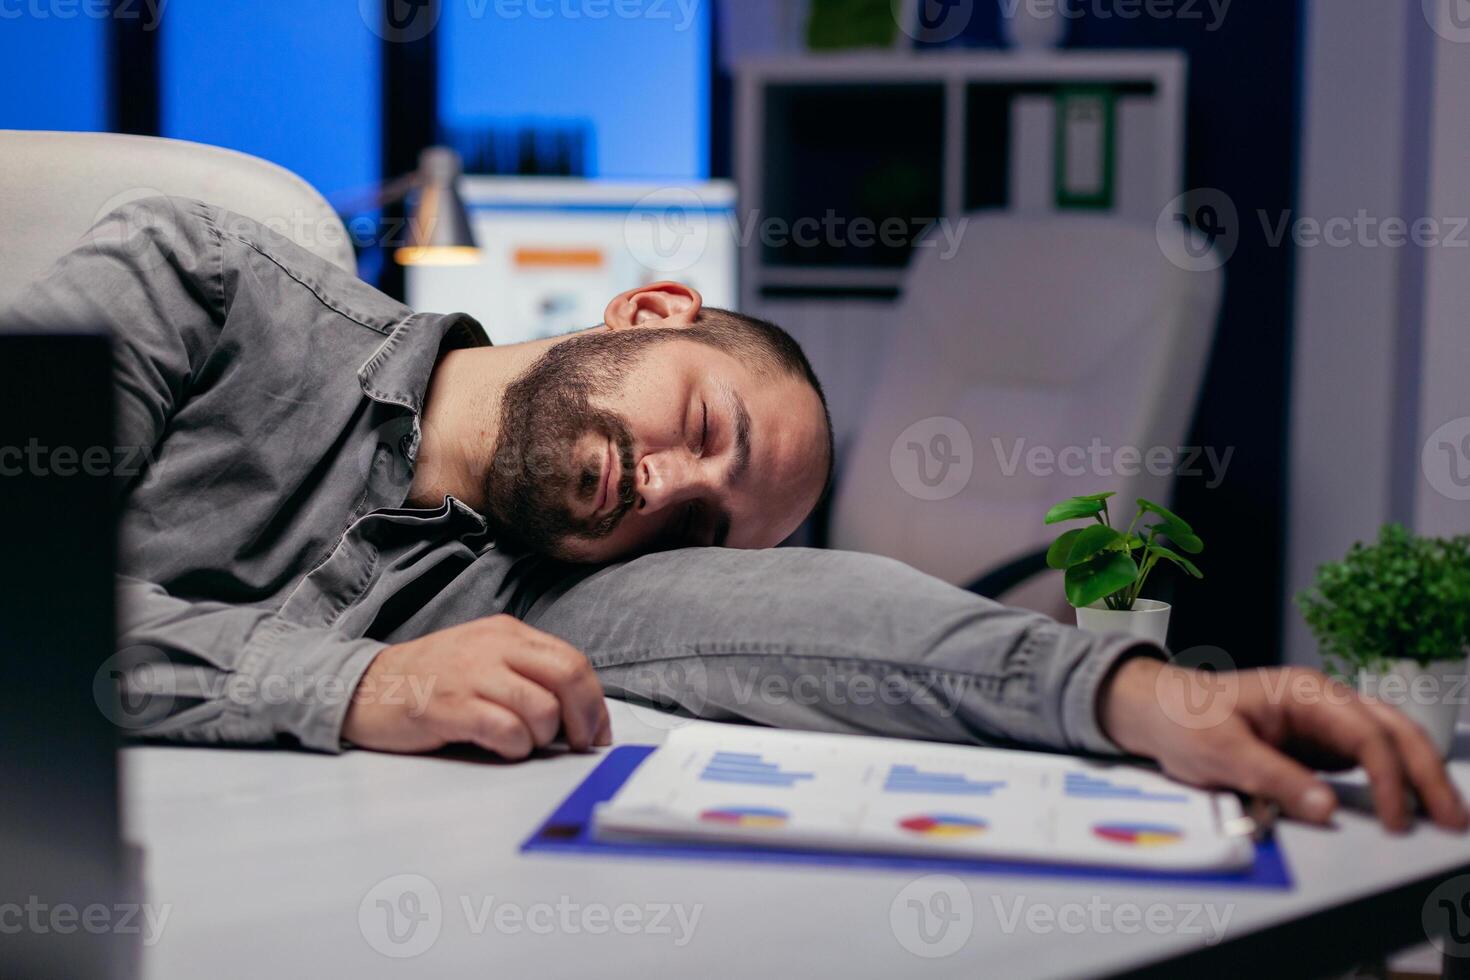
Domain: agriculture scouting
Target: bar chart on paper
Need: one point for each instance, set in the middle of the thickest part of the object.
(767, 788)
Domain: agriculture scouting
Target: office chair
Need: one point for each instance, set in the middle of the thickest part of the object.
(56, 186)
(1053, 331)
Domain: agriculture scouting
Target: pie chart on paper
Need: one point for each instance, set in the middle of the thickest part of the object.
(1138, 834)
(943, 825)
(746, 816)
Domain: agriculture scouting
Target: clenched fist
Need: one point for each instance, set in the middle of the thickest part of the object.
(496, 683)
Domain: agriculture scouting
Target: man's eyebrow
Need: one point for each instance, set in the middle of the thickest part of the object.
(742, 436)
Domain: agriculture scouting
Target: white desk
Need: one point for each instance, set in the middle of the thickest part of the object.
(263, 860)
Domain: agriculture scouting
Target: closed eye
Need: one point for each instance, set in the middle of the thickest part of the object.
(704, 429)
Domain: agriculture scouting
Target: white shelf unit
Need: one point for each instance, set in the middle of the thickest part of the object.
(1147, 148)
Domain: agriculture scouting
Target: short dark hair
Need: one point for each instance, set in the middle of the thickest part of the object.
(751, 339)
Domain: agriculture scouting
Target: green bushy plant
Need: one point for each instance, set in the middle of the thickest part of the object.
(1402, 598)
(1102, 562)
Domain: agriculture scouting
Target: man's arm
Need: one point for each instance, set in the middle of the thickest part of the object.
(834, 641)
(1264, 731)
(155, 274)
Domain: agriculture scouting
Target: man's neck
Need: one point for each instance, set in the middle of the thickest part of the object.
(461, 420)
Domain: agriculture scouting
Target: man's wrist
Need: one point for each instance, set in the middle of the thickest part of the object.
(1127, 698)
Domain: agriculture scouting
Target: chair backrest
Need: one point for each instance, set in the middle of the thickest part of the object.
(55, 186)
(1046, 358)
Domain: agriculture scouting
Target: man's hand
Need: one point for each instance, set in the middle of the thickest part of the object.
(496, 683)
(1259, 732)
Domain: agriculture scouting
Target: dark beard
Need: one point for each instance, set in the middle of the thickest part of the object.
(545, 412)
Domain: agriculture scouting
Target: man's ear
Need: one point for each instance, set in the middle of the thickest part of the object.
(659, 304)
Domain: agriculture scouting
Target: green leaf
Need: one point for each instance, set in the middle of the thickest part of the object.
(1091, 540)
(1071, 510)
(1098, 496)
(1179, 560)
(1149, 507)
(1056, 555)
(1106, 573)
(1185, 539)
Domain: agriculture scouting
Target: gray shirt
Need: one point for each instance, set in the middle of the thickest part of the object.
(268, 555)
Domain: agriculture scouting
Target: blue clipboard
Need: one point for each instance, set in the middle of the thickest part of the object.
(569, 831)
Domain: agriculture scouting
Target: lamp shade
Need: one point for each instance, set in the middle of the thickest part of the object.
(438, 225)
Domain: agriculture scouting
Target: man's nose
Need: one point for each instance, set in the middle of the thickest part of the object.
(667, 479)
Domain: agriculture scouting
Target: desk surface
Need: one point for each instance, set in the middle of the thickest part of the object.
(275, 864)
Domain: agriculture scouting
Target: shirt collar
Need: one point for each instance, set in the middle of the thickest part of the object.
(398, 372)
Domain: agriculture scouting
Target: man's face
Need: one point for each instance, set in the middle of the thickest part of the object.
(616, 444)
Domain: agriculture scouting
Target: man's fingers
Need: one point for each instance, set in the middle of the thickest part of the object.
(538, 709)
(1260, 770)
(567, 674)
(1344, 724)
(1425, 769)
(490, 726)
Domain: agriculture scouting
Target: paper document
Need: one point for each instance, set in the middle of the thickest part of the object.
(770, 788)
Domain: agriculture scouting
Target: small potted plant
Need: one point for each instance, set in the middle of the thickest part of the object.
(1395, 616)
(1107, 568)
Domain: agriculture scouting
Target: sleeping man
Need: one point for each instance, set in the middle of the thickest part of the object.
(362, 526)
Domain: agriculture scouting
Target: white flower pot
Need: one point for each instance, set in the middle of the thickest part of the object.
(1431, 695)
(1034, 25)
(1147, 620)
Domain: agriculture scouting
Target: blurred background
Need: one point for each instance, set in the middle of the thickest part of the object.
(1211, 253)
